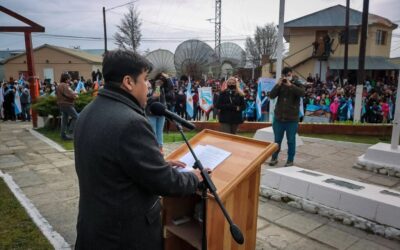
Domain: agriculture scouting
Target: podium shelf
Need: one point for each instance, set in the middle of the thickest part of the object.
(189, 232)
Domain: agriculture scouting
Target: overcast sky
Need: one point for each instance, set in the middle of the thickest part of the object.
(166, 20)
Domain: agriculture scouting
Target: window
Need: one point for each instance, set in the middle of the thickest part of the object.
(381, 37)
(353, 36)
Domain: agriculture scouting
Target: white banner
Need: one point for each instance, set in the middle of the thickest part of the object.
(205, 98)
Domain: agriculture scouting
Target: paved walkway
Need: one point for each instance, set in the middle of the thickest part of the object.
(48, 179)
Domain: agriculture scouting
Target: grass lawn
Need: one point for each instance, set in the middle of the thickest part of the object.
(55, 136)
(350, 138)
(17, 231)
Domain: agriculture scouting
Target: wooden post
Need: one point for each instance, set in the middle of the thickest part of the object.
(31, 74)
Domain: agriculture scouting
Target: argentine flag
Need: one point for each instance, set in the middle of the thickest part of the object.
(301, 111)
(258, 101)
(21, 80)
(349, 109)
(17, 102)
(189, 100)
(80, 87)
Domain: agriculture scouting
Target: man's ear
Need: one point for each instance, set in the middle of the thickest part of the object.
(127, 83)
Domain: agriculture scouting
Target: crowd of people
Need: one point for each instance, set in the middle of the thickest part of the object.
(336, 102)
(329, 99)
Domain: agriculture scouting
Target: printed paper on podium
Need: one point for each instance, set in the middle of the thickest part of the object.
(208, 155)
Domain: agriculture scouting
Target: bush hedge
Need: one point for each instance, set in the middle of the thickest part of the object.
(47, 105)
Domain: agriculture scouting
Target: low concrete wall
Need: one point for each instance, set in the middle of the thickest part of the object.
(305, 128)
(309, 128)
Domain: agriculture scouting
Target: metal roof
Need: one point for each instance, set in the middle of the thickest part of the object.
(72, 52)
(371, 63)
(335, 17)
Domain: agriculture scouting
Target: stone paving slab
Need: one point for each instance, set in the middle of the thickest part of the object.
(367, 245)
(300, 223)
(48, 179)
(333, 237)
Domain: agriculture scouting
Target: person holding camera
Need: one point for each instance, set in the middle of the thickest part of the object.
(286, 119)
(159, 91)
(231, 105)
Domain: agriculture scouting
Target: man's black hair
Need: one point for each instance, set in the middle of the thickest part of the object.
(286, 70)
(119, 63)
(65, 77)
(184, 78)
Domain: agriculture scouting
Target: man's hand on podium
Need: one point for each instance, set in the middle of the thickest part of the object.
(199, 176)
(177, 164)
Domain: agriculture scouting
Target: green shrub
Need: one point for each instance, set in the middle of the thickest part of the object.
(47, 105)
(83, 100)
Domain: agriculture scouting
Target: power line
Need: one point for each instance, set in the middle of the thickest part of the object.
(122, 5)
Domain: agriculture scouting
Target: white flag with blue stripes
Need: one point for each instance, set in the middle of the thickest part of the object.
(189, 100)
(17, 103)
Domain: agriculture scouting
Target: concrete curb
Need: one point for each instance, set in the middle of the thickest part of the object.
(51, 143)
(331, 213)
(55, 239)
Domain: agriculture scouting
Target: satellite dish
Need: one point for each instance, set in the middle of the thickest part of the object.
(232, 56)
(163, 61)
(194, 58)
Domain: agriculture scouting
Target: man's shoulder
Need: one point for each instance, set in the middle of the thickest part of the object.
(117, 110)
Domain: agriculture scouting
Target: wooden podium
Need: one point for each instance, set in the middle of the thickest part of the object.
(237, 180)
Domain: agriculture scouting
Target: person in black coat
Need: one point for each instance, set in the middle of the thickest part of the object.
(231, 105)
(120, 168)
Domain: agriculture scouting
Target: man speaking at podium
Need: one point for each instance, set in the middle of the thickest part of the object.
(120, 168)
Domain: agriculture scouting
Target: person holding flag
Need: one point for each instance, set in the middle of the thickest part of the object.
(17, 101)
(231, 105)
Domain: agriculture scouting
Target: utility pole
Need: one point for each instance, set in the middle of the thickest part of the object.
(105, 29)
(346, 45)
(279, 55)
(361, 62)
(218, 28)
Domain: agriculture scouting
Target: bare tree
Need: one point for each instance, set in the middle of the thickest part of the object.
(265, 43)
(129, 34)
(252, 52)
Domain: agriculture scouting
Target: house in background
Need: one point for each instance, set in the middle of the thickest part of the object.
(51, 61)
(317, 45)
(5, 54)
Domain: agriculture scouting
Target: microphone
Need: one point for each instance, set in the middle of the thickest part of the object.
(159, 109)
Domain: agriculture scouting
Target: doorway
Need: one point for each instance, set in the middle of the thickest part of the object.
(48, 75)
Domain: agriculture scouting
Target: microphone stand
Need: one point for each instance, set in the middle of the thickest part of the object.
(209, 185)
